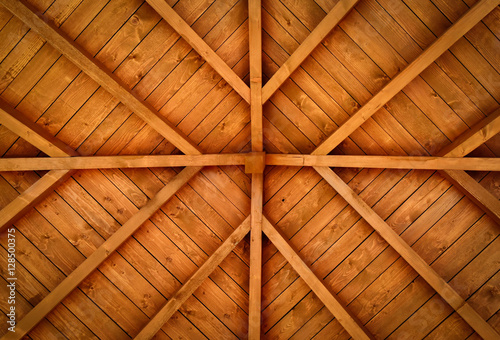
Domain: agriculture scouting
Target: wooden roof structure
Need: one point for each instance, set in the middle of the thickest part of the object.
(275, 169)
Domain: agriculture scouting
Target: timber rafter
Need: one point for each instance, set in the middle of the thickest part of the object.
(63, 160)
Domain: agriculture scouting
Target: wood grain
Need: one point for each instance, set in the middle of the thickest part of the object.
(194, 282)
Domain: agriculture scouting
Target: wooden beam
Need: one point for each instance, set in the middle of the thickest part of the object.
(352, 325)
(194, 282)
(337, 13)
(116, 162)
(16, 122)
(455, 32)
(255, 51)
(475, 192)
(255, 289)
(386, 162)
(474, 137)
(193, 39)
(98, 72)
(102, 253)
(409, 255)
(32, 196)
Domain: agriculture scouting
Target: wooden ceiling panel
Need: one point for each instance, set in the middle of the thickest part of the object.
(339, 256)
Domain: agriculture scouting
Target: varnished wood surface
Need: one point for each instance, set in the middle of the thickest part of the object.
(368, 48)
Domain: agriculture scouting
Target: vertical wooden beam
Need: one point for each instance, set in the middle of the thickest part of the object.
(338, 12)
(254, 313)
(255, 44)
(409, 255)
(100, 254)
(193, 282)
(255, 48)
(193, 39)
(103, 77)
(352, 325)
(455, 32)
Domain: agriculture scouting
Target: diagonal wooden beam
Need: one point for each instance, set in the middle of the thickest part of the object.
(98, 72)
(255, 55)
(474, 137)
(193, 39)
(100, 254)
(460, 147)
(32, 133)
(194, 282)
(337, 13)
(352, 325)
(454, 33)
(410, 256)
(384, 162)
(32, 196)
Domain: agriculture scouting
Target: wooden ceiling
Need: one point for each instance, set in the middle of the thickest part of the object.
(228, 169)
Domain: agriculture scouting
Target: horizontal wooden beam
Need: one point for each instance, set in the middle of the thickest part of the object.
(98, 72)
(336, 14)
(409, 255)
(455, 32)
(193, 39)
(254, 162)
(115, 162)
(352, 325)
(100, 254)
(389, 162)
(188, 288)
(16, 122)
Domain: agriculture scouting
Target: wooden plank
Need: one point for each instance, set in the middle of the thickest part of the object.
(474, 137)
(387, 162)
(194, 282)
(255, 48)
(184, 30)
(338, 12)
(101, 254)
(350, 323)
(97, 72)
(410, 256)
(453, 34)
(116, 162)
(255, 290)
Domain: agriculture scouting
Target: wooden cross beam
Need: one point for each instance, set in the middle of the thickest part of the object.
(410, 256)
(255, 165)
(103, 77)
(352, 325)
(193, 39)
(443, 43)
(336, 14)
(100, 254)
(188, 288)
